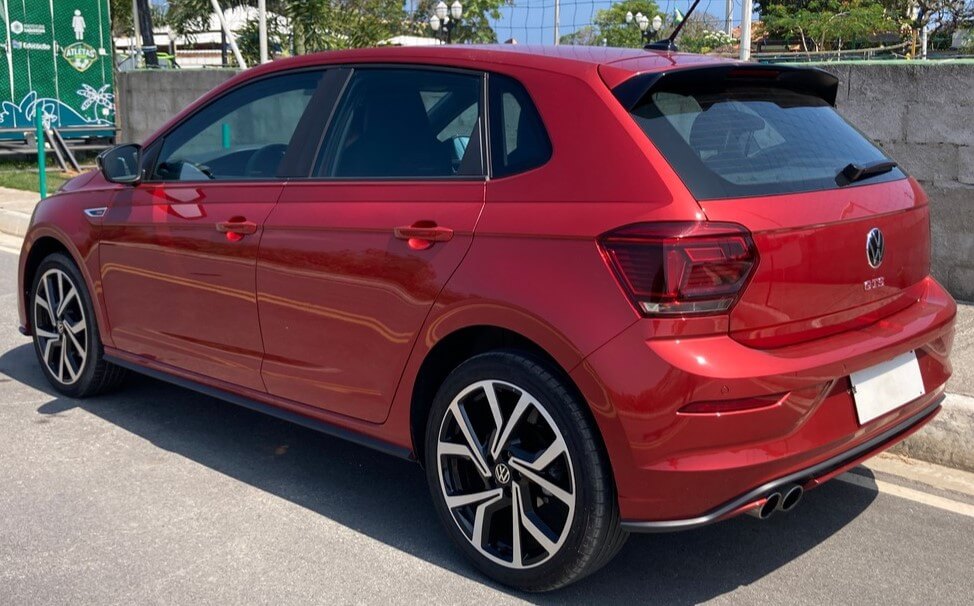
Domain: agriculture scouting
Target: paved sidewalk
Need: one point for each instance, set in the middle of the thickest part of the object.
(947, 440)
(16, 207)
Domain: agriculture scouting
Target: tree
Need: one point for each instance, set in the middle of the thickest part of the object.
(829, 24)
(474, 26)
(312, 25)
(611, 29)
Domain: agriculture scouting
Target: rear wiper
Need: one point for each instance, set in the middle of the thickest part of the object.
(857, 172)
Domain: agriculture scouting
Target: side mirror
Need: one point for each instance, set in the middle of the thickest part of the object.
(122, 164)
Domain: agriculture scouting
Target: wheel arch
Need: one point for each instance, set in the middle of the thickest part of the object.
(40, 249)
(43, 242)
(461, 345)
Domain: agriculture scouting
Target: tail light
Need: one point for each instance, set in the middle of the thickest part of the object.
(681, 267)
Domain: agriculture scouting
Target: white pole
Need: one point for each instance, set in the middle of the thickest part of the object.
(262, 28)
(557, 19)
(747, 7)
(230, 38)
(138, 31)
(729, 17)
(923, 42)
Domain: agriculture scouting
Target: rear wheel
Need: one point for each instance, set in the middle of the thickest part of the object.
(65, 331)
(518, 475)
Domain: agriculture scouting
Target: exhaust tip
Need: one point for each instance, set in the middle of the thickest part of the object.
(791, 498)
(764, 510)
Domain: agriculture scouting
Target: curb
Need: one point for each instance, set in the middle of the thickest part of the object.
(948, 439)
(13, 222)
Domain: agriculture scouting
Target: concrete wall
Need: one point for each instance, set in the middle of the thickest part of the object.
(147, 99)
(923, 116)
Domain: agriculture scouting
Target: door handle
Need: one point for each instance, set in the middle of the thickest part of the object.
(236, 228)
(422, 234)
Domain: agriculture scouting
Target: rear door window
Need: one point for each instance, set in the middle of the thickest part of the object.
(752, 141)
(405, 124)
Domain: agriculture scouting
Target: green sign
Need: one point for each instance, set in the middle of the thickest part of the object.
(57, 61)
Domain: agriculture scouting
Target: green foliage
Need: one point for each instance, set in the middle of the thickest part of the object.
(705, 41)
(829, 24)
(611, 26)
(474, 25)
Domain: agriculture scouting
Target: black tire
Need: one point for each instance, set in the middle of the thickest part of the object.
(589, 538)
(88, 374)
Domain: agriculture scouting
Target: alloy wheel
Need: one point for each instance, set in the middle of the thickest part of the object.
(506, 474)
(60, 326)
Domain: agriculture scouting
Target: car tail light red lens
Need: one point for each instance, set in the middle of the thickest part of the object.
(681, 267)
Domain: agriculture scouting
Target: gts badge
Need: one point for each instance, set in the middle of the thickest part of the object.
(874, 283)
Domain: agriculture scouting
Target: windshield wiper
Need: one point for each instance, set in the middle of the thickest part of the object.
(857, 172)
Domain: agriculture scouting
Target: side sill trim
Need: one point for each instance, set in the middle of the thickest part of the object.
(268, 409)
(808, 473)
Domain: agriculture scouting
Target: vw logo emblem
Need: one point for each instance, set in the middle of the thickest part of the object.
(502, 474)
(875, 247)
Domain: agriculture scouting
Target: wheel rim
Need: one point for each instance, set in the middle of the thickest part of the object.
(60, 326)
(506, 475)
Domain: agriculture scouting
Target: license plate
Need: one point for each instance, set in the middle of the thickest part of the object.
(886, 386)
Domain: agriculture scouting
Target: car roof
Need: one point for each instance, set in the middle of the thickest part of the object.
(615, 64)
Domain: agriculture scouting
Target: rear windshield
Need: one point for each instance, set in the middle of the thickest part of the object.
(752, 141)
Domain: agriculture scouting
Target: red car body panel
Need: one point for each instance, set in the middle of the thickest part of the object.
(334, 288)
(175, 289)
(324, 313)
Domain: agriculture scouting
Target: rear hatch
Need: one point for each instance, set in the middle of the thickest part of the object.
(841, 233)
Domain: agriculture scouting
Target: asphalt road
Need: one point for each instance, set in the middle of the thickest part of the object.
(159, 495)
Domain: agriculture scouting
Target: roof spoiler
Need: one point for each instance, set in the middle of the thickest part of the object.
(807, 80)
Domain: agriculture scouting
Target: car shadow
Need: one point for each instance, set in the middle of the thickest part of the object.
(355, 486)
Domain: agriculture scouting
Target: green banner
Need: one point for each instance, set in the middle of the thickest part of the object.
(57, 60)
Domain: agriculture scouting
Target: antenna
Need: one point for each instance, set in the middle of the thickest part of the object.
(668, 45)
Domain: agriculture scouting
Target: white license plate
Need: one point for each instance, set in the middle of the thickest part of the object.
(886, 386)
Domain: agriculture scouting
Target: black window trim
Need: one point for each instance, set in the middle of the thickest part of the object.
(482, 118)
(158, 142)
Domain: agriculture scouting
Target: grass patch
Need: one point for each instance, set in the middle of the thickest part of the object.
(26, 178)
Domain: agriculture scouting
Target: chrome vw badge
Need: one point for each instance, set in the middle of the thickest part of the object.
(875, 247)
(502, 474)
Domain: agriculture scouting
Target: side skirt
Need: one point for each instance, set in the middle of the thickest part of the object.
(268, 409)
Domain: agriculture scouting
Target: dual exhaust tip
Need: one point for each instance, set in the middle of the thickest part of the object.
(784, 500)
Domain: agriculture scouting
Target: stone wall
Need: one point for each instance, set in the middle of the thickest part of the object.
(922, 114)
(148, 98)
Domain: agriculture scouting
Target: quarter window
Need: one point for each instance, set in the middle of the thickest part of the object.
(519, 141)
(242, 135)
(405, 123)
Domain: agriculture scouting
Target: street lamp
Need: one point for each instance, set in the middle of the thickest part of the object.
(648, 29)
(445, 18)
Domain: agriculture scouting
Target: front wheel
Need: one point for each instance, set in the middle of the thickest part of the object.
(518, 475)
(65, 331)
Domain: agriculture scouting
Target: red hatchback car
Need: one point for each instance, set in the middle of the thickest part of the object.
(594, 291)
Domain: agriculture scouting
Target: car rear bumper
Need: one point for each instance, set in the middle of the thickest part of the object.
(675, 470)
(808, 478)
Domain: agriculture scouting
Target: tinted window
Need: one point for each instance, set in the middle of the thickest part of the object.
(754, 141)
(519, 141)
(405, 123)
(242, 135)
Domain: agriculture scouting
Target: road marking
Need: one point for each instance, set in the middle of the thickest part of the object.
(910, 494)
